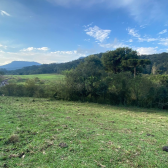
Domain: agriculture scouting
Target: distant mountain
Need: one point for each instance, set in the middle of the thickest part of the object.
(18, 65)
(49, 68)
(158, 61)
(81, 57)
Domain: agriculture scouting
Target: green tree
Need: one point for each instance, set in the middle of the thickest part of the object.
(135, 63)
(2, 73)
(112, 60)
(31, 87)
(84, 79)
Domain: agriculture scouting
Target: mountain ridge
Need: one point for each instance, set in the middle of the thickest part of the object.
(14, 65)
(158, 61)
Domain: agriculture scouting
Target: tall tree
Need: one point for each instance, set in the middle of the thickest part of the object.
(154, 69)
(85, 78)
(123, 59)
(135, 63)
(112, 60)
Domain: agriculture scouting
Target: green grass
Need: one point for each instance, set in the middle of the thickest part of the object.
(59, 134)
(46, 78)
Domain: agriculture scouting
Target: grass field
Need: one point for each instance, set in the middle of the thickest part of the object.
(46, 78)
(58, 134)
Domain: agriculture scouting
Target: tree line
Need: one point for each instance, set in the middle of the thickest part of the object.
(116, 77)
(159, 65)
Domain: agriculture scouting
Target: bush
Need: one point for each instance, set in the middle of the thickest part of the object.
(116, 89)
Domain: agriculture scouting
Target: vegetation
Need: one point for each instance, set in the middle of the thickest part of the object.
(3, 71)
(114, 61)
(109, 80)
(122, 59)
(42, 133)
(36, 132)
(47, 68)
(39, 78)
(90, 82)
(158, 65)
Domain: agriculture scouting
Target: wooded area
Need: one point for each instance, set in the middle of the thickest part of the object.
(115, 77)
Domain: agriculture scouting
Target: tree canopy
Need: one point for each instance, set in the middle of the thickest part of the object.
(112, 60)
(122, 59)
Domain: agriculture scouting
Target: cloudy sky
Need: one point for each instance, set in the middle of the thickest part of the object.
(49, 31)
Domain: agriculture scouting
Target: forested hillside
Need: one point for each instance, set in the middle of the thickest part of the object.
(159, 65)
(48, 68)
(114, 77)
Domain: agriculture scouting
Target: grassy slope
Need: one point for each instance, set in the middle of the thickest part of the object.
(47, 78)
(96, 135)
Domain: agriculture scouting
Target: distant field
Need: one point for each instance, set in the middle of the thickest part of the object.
(60, 134)
(46, 78)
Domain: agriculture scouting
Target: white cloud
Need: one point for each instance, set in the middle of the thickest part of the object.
(115, 44)
(134, 33)
(43, 49)
(4, 13)
(87, 40)
(2, 46)
(143, 26)
(130, 40)
(28, 49)
(42, 57)
(33, 49)
(148, 39)
(164, 41)
(65, 52)
(88, 25)
(164, 31)
(97, 33)
(2, 51)
(146, 50)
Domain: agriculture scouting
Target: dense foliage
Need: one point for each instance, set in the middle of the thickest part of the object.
(113, 60)
(122, 59)
(159, 64)
(93, 80)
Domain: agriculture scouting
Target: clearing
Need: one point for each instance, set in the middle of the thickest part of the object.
(44, 78)
(43, 133)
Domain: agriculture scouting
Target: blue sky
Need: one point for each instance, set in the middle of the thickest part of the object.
(48, 31)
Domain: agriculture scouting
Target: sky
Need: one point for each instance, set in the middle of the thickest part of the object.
(55, 31)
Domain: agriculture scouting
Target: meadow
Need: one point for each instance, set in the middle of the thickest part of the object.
(45, 78)
(44, 133)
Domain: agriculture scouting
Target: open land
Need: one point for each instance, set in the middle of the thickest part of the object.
(44, 133)
(45, 78)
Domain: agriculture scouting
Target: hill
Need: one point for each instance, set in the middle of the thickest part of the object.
(158, 61)
(18, 65)
(49, 68)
